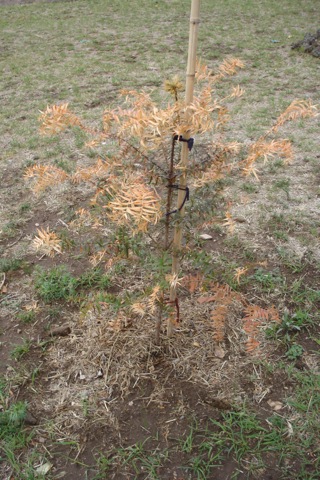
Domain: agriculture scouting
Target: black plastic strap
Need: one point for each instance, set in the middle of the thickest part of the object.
(190, 141)
(176, 304)
(187, 196)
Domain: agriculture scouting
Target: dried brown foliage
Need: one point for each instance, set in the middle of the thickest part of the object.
(46, 242)
(139, 127)
(223, 296)
(239, 272)
(193, 282)
(254, 316)
(134, 203)
(296, 110)
(140, 156)
(45, 176)
(277, 148)
(57, 118)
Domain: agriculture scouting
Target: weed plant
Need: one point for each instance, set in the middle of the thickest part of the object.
(20, 350)
(55, 284)
(10, 264)
(58, 283)
(26, 317)
(15, 438)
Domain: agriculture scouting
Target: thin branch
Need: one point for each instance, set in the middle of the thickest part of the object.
(2, 281)
(171, 180)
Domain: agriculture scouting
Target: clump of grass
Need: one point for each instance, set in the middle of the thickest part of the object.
(284, 185)
(294, 352)
(290, 325)
(10, 228)
(54, 313)
(25, 207)
(249, 187)
(94, 278)
(20, 350)
(135, 458)
(10, 264)
(55, 284)
(59, 284)
(268, 280)
(15, 438)
(26, 317)
(287, 331)
(291, 261)
(11, 418)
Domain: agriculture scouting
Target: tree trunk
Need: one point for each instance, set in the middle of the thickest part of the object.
(190, 77)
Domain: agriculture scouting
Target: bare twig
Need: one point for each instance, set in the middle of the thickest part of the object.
(15, 242)
(158, 326)
(2, 281)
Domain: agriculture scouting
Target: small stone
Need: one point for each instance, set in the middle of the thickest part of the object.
(62, 331)
(205, 236)
(219, 352)
(29, 419)
(275, 405)
(43, 469)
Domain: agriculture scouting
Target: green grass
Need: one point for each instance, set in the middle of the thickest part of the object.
(58, 284)
(26, 317)
(94, 278)
(250, 187)
(240, 438)
(15, 438)
(136, 460)
(10, 264)
(268, 280)
(55, 284)
(21, 350)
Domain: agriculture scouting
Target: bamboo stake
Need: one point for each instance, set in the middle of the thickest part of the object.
(190, 76)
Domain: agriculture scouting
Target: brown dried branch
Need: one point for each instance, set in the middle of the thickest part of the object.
(57, 118)
(192, 282)
(297, 109)
(46, 242)
(135, 205)
(253, 320)
(218, 318)
(45, 176)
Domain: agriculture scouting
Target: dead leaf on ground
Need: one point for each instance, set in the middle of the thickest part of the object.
(43, 469)
(219, 352)
(275, 405)
(205, 236)
(202, 300)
